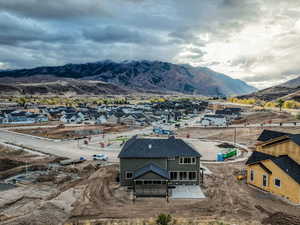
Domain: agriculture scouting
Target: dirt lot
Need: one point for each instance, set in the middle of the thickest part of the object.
(227, 199)
(266, 117)
(96, 196)
(14, 162)
(246, 136)
(73, 132)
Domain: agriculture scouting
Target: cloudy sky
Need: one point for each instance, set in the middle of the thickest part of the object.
(257, 41)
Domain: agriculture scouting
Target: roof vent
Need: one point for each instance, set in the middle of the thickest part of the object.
(150, 146)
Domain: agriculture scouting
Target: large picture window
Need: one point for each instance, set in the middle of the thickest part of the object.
(173, 175)
(183, 175)
(192, 176)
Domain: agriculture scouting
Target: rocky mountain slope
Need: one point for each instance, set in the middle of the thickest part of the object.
(286, 91)
(142, 75)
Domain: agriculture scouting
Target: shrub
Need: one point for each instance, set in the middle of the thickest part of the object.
(163, 219)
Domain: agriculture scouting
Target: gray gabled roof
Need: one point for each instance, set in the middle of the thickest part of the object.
(289, 166)
(213, 116)
(157, 148)
(267, 135)
(258, 157)
(151, 168)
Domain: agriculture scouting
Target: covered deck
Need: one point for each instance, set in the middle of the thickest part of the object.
(151, 181)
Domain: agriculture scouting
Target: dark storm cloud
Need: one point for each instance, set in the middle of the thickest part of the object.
(36, 32)
(53, 9)
(18, 30)
(120, 34)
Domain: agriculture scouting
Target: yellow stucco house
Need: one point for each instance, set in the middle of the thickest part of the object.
(275, 165)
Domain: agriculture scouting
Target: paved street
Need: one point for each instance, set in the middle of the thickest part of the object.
(72, 149)
(257, 125)
(68, 149)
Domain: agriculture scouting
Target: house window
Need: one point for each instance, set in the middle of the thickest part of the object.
(251, 175)
(265, 180)
(192, 175)
(193, 160)
(173, 175)
(277, 182)
(128, 175)
(187, 160)
(156, 182)
(183, 175)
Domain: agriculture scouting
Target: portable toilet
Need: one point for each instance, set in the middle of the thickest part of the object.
(220, 157)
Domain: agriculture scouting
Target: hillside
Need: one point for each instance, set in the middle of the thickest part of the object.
(151, 76)
(286, 91)
(294, 83)
(54, 86)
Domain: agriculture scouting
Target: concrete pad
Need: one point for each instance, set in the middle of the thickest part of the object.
(187, 192)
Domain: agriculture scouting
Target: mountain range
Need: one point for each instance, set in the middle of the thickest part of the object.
(122, 77)
(289, 90)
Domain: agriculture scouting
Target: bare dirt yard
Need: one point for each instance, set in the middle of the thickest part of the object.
(74, 131)
(227, 200)
(96, 197)
(245, 135)
(266, 117)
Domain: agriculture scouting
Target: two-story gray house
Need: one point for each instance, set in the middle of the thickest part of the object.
(152, 166)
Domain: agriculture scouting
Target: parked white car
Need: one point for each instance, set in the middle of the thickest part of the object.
(101, 157)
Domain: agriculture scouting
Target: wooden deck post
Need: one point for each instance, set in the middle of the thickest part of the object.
(202, 175)
(134, 194)
(167, 191)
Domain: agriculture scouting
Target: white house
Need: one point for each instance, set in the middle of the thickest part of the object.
(113, 119)
(101, 119)
(70, 118)
(213, 120)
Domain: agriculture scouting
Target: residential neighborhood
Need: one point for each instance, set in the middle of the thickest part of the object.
(148, 157)
(135, 115)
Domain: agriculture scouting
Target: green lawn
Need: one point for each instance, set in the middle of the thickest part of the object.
(121, 139)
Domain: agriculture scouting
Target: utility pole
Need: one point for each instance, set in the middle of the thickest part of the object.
(234, 139)
(26, 169)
